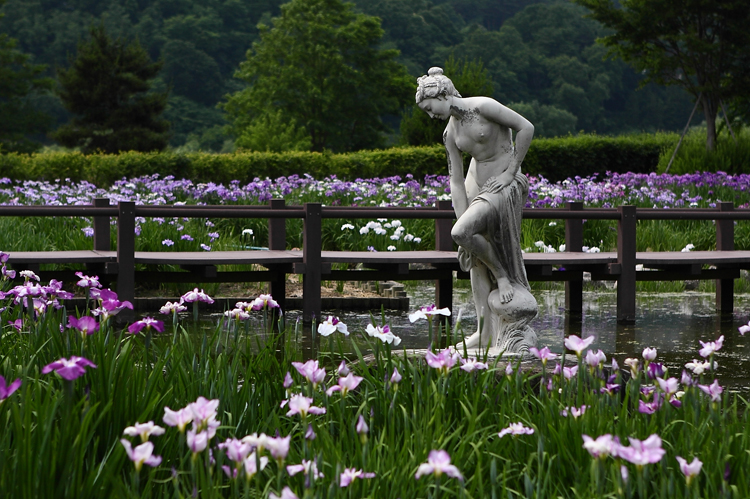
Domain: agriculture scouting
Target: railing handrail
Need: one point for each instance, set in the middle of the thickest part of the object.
(298, 211)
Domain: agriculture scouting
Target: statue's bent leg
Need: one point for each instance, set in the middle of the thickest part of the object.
(469, 232)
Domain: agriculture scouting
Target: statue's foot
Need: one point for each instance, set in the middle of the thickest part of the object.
(505, 290)
(470, 342)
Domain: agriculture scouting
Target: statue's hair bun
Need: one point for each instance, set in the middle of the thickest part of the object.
(435, 71)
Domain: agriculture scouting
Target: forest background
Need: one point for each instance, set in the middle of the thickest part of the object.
(539, 58)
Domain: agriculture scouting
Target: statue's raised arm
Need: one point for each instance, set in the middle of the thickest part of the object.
(488, 202)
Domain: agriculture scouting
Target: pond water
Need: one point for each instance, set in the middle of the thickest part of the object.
(673, 323)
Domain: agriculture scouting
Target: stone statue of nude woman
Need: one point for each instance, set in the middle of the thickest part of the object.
(488, 203)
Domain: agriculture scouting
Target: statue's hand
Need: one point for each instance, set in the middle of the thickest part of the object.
(496, 184)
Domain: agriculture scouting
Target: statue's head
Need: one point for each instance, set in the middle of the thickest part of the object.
(435, 85)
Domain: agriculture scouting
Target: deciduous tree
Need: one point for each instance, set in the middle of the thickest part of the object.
(697, 44)
(320, 64)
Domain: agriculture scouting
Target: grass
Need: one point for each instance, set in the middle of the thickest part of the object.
(61, 439)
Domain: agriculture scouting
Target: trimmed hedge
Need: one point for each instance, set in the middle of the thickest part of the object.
(556, 159)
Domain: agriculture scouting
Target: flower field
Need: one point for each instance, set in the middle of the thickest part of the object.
(702, 190)
(92, 409)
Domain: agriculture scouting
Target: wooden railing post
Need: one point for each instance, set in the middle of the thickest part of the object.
(311, 258)
(126, 256)
(444, 242)
(574, 244)
(626, 232)
(101, 227)
(725, 242)
(277, 241)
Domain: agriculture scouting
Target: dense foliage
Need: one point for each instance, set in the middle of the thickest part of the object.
(94, 410)
(699, 45)
(20, 83)
(540, 57)
(318, 68)
(555, 159)
(106, 88)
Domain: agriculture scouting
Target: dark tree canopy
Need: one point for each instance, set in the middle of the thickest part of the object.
(107, 88)
(320, 64)
(20, 82)
(700, 45)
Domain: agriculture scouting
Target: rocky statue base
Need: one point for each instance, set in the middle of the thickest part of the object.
(508, 331)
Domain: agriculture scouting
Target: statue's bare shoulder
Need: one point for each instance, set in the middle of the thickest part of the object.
(493, 111)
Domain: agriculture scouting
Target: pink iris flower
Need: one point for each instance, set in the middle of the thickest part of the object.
(516, 429)
(438, 463)
(577, 344)
(644, 452)
(180, 418)
(147, 323)
(690, 470)
(600, 447)
(286, 493)
(471, 364)
(299, 404)
(88, 281)
(346, 384)
(143, 430)
(69, 369)
(236, 450)
(361, 427)
(311, 371)
(395, 377)
(309, 468)
(142, 454)
(196, 296)
(744, 329)
(543, 354)
(443, 361)
(172, 308)
(710, 347)
(264, 302)
(251, 465)
(197, 441)
(349, 474)
(595, 359)
(649, 354)
(278, 447)
(713, 390)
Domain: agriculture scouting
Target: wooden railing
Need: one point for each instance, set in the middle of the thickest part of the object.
(315, 264)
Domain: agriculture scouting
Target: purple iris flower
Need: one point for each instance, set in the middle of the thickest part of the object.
(7, 390)
(148, 323)
(69, 369)
(86, 325)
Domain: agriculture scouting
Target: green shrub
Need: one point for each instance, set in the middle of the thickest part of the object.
(729, 156)
(555, 159)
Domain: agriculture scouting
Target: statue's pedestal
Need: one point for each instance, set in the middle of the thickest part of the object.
(508, 327)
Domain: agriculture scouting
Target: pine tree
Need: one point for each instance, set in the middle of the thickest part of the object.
(107, 88)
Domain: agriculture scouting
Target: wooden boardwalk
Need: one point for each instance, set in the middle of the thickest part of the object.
(626, 266)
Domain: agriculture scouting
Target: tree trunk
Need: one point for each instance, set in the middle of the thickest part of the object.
(710, 110)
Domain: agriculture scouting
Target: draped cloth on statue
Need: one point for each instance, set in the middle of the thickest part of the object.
(507, 322)
(503, 229)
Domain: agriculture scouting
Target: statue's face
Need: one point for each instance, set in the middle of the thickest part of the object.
(436, 108)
